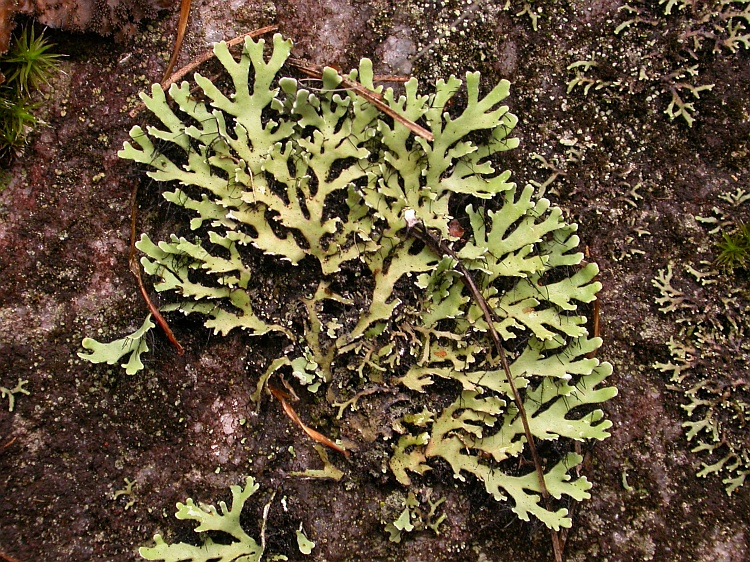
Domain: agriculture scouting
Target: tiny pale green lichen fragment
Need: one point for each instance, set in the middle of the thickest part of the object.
(304, 544)
(133, 345)
(126, 491)
(11, 392)
(226, 520)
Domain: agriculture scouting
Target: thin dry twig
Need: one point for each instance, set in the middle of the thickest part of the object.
(314, 435)
(595, 326)
(135, 269)
(316, 71)
(440, 248)
(7, 558)
(181, 28)
(167, 81)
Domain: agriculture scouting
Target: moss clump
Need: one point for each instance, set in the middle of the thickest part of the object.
(734, 249)
(23, 70)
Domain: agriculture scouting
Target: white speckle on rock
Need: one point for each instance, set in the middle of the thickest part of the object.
(213, 34)
(228, 424)
(396, 51)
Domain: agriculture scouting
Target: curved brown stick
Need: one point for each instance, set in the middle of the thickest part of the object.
(595, 326)
(135, 269)
(181, 28)
(315, 435)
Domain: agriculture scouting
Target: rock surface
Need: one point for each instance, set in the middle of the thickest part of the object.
(632, 179)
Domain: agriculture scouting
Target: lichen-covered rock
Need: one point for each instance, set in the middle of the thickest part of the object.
(275, 174)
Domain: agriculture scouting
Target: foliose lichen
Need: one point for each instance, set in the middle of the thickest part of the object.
(709, 361)
(275, 174)
(225, 520)
(658, 52)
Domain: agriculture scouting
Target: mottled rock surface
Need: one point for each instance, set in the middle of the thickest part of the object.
(632, 179)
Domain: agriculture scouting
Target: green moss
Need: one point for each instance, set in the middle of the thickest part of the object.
(734, 249)
(26, 67)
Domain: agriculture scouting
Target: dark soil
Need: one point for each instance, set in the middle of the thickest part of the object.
(69, 445)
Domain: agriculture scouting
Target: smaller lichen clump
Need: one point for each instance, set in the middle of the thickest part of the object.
(710, 364)
(225, 520)
(657, 50)
(276, 177)
(10, 393)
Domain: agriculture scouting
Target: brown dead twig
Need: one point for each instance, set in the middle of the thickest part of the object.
(373, 97)
(7, 558)
(282, 396)
(135, 269)
(440, 248)
(181, 28)
(595, 326)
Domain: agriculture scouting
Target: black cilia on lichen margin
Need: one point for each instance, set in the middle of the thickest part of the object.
(275, 174)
